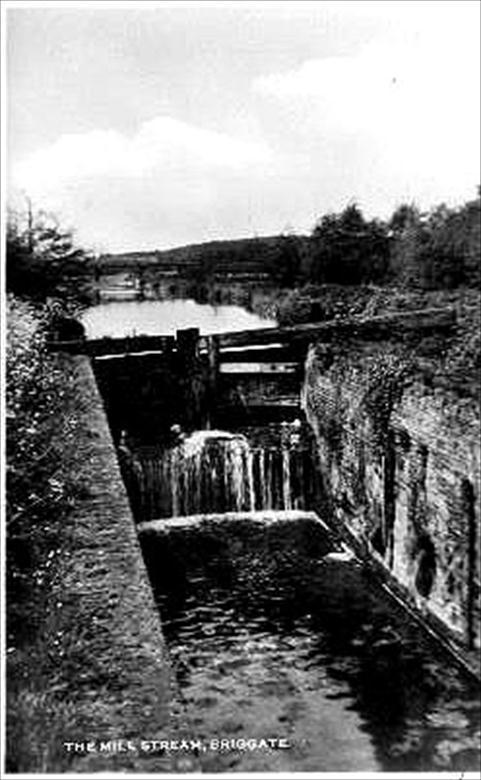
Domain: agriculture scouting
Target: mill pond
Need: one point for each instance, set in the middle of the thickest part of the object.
(274, 627)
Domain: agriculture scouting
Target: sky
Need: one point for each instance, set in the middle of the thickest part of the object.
(154, 125)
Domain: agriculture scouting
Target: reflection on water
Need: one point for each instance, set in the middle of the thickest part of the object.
(153, 317)
(274, 644)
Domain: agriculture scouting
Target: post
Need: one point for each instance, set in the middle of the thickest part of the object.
(189, 371)
(212, 377)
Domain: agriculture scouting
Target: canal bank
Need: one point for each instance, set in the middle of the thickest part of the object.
(108, 675)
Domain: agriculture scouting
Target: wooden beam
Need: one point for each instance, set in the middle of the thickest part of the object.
(381, 326)
(258, 354)
(425, 319)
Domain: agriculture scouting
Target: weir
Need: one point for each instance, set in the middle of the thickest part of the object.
(203, 429)
(218, 471)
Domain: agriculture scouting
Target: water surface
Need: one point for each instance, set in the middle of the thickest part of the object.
(267, 640)
(154, 317)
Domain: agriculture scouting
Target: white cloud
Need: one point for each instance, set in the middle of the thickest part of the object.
(149, 189)
(161, 144)
(168, 183)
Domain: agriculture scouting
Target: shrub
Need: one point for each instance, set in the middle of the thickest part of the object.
(37, 494)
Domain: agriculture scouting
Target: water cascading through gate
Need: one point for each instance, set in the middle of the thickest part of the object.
(218, 471)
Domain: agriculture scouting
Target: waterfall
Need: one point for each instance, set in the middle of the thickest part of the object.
(217, 471)
(213, 471)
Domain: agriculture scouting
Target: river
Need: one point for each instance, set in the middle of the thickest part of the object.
(165, 317)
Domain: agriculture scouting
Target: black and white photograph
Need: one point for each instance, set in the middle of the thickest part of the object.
(240, 396)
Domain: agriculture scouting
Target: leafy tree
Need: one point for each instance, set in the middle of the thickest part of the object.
(454, 246)
(408, 243)
(288, 260)
(347, 249)
(43, 261)
(438, 250)
(405, 215)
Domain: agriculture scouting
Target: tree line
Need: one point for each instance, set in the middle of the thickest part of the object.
(438, 249)
(435, 250)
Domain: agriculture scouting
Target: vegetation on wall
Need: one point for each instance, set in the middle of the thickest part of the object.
(384, 379)
(379, 376)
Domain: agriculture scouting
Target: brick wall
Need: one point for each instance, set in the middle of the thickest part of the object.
(403, 479)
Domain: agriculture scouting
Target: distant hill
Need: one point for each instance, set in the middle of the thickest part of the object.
(264, 255)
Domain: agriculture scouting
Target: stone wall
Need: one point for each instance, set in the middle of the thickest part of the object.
(400, 464)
